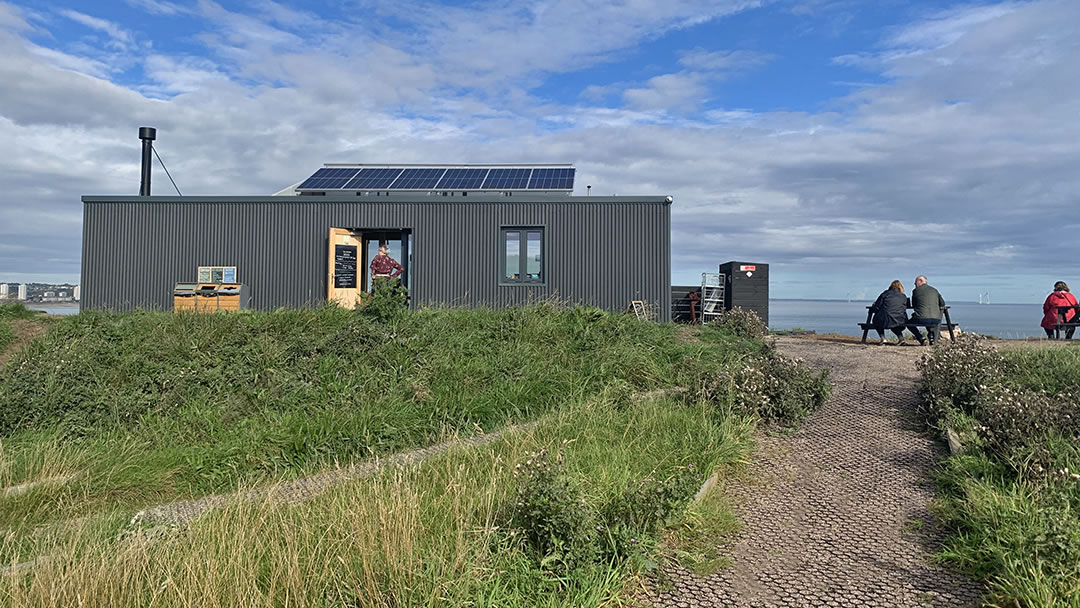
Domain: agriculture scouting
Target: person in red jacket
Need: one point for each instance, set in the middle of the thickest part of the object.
(1059, 297)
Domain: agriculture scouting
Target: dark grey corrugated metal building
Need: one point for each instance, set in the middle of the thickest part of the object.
(601, 251)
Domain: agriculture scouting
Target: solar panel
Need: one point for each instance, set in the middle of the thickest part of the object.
(440, 178)
(507, 179)
(552, 179)
(418, 179)
(462, 179)
(373, 179)
(328, 179)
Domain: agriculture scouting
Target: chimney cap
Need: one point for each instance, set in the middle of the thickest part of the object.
(149, 133)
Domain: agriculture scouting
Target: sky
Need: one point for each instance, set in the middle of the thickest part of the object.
(846, 143)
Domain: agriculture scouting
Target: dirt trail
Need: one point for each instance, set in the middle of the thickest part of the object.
(837, 514)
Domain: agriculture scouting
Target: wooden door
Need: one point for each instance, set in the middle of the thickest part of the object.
(345, 278)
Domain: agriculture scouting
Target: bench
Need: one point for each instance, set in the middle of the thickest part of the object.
(947, 324)
(1062, 324)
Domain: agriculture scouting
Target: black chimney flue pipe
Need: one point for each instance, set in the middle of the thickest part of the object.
(147, 135)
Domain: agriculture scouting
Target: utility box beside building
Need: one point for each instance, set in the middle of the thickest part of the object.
(747, 287)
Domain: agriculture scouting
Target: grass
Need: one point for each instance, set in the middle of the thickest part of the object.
(1012, 502)
(699, 542)
(10, 311)
(13, 311)
(6, 335)
(429, 535)
(110, 413)
(147, 408)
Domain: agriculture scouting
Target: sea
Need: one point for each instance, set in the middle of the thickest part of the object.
(1015, 321)
(55, 309)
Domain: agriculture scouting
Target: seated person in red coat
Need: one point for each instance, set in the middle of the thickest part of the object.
(1059, 297)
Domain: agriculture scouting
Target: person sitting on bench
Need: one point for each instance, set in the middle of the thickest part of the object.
(1059, 297)
(890, 312)
(927, 303)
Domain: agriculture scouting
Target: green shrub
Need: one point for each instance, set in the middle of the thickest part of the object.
(632, 519)
(551, 516)
(769, 385)
(388, 300)
(1013, 498)
(563, 531)
(742, 323)
(954, 374)
(1012, 418)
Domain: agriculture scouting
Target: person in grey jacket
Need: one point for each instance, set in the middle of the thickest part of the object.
(927, 304)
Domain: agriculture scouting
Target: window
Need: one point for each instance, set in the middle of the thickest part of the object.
(522, 255)
(217, 274)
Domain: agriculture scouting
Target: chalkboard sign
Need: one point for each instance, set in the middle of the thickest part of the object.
(345, 266)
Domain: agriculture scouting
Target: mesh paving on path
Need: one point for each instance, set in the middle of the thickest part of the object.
(837, 513)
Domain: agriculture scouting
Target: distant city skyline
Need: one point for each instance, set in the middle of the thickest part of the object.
(844, 143)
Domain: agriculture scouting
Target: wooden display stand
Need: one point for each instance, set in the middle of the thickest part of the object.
(232, 296)
(206, 297)
(184, 297)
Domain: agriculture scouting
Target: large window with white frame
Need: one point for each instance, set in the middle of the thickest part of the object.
(522, 255)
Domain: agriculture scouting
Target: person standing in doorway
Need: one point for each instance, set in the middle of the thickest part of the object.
(927, 304)
(1059, 297)
(384, 267)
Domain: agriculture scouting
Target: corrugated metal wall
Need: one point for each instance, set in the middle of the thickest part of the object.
(603, 251)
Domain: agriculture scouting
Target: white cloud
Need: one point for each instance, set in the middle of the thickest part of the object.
(118, 37)
(667, 91)
(974, 142)
(703, 60)
(158, 7)
(11, 17)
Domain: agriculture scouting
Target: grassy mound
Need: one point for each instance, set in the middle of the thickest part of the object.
(113, 412)
(1012, 498)
(151, 407)
(445, 533)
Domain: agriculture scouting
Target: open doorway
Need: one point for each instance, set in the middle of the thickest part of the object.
(351, 251)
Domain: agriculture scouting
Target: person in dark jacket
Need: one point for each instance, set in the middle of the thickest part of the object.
(890, 312)
(927, 304)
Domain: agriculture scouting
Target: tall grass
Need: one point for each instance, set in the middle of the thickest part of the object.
(152, 407)
(429, 535)
(17, 310)
(13, 311)
(6, 335)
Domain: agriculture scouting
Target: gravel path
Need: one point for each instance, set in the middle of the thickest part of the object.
(837, 514)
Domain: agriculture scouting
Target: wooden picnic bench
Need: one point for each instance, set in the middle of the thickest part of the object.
(1062, 324)
(946, 324)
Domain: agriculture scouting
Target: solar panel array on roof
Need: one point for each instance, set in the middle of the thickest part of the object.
(462, 179)
(507, 179)
(441, 178)
(418, 179)
(329, 179)
(372, 179)
(552, 179)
